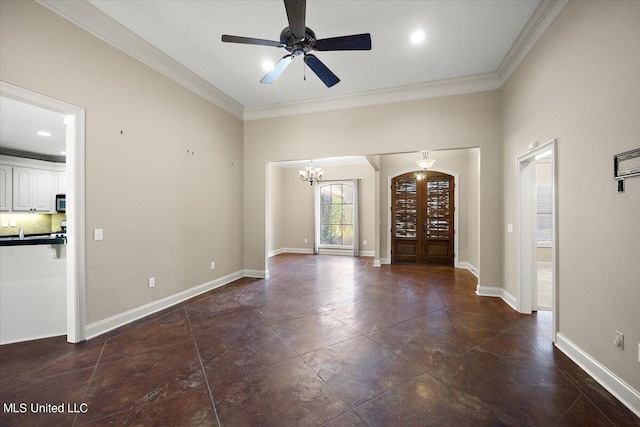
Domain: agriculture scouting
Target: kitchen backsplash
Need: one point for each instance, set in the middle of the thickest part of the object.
(31, 223)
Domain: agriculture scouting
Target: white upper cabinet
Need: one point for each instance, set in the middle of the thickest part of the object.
(31, 190)
(5, 188)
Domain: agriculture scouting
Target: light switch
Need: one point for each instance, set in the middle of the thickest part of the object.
(509, 228)
(98, 234)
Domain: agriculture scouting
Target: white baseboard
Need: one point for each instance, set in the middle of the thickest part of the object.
(384, 261)
(490, 291)
(377, 263)
(257, 274)
(607, 379)
(290, 251)
(106, 325)
(469, 267)
(367, 253)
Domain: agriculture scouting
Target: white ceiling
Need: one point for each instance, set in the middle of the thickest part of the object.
(20, 124)
(463, 39)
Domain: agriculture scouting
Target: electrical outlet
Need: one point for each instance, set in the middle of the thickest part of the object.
(213, 265)
(305, 240)
(152, 282)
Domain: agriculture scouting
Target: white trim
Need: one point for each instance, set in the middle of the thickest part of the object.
(114, 322)
(290, 251)
(545, 14)
(491, 291)
(377, 263)
(91, 19)
(367, 253)
(469, 267)
(456, 204)
(98, 23)
(257, 274)
(75, 170)
(607, 379)
(460, 86)
(526, 248)
(385, 261)
(340, 252)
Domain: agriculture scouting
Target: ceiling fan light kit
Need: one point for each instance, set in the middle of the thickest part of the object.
(299, 40)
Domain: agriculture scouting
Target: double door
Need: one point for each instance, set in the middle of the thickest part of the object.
(423, 212)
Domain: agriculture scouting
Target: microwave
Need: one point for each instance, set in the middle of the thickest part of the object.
(61, 203)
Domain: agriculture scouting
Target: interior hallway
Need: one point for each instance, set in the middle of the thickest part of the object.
(324, 340)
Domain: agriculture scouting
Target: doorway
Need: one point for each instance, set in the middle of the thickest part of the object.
(75, 202)
(423, 209)
(536, 261)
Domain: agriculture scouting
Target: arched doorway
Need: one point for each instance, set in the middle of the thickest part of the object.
(423, 208)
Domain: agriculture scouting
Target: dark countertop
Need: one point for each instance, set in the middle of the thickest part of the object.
(33, 239)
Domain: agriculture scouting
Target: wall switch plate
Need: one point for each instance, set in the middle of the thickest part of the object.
(305, 240)
(213, 265)
(364, 243)
(98, 234)
(509, 228)
(152, 282)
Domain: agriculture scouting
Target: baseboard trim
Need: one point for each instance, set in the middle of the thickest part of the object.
(103, 326)
(256, 274)
(490, 291)
(367, 253)
(607, 379)
(384, 261)
(377, 263)
(469, 267)
(291, 251)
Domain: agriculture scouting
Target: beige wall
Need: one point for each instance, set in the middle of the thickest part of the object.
(462, 162)
(580, 85)
(453, 122)
(296, 211)
(166, 213)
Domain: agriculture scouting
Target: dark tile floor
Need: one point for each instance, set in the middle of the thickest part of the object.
(324, 341)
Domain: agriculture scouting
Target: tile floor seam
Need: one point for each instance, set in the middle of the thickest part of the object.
(95, 369)
(204, 373)
(568, 410)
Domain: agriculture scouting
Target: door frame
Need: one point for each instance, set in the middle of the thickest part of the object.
(456, 204)
(526, 266)
(75, 171)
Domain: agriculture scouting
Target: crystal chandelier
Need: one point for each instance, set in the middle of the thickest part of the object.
(425, 162)
(311, 174)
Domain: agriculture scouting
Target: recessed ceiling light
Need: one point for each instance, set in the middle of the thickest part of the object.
(44, 133)
(417, 37)
(267, 65)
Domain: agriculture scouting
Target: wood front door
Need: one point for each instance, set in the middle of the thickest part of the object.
(422, 211)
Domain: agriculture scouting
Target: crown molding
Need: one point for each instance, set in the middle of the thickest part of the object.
(96, 22)
(473, 84)
(544, 15)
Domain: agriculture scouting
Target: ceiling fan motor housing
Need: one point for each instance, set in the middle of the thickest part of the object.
(296, 46)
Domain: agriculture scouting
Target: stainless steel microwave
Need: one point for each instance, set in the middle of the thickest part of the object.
(61, 203)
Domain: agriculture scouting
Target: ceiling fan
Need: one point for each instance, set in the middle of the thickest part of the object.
(299, 40)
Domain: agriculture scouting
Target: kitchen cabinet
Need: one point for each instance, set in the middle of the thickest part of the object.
(30, 185)
(31, 190)
(6, 190)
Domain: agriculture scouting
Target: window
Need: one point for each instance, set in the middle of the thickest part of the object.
(544, 211)
(336, 215)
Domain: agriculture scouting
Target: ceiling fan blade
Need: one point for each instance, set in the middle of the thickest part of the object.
(272, 75)
(353, 42)
(321, 70)
(296, 12)
(250, 40)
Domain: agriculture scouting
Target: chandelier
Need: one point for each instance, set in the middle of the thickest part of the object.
(425, 162)
(311, 174)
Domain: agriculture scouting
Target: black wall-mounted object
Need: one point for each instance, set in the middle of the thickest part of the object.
(633, 168)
